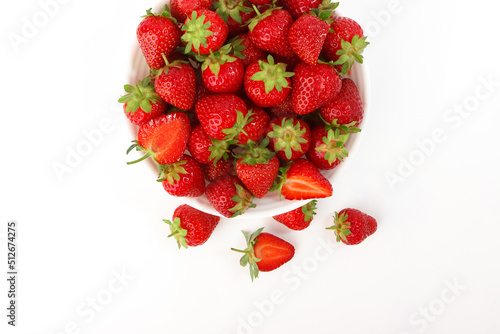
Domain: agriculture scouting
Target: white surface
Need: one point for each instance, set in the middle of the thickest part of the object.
(432, 266)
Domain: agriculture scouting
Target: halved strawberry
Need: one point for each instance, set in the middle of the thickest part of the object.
(183, 178)
(298, 219)
(228, 196)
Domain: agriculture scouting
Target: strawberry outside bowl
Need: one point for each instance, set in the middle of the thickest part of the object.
(271, 204)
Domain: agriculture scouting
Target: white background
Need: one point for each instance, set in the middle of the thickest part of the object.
(92, 248)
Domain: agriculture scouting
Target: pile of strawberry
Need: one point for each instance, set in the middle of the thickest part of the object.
(244, 97)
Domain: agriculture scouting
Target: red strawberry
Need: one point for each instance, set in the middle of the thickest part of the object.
(256, 128)
(245, 49)
(222, 167)
(164, 138)
(302, 180)
(228, 196)
(298, 7)
(183, 178)
(141, 103)
(298, 219)
(266, 83)
(158, 36)
(222, 116)
(181, 9)
(260, 2)
(346, 108)
(352, 226)
(176, 84)
(327, 147)
(345, 44)
(313, 86)
(257, 168)
(191, 227)
(290, 137)
(290, 62)
(204, 31)
(269, 31)
(223, 73)
(236, 13)
(204, 149)
(265, 252)
(284, 109)
(306, 37)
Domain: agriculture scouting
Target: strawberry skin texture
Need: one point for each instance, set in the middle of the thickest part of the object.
(271, 34)
(218, 28)
(256, 129)
(352, 226)
(180, 9)
(272, 251)
(176, 85)
(303, 180)
(343, 28)
(298, 219)
(229, 79)
(199, 225)
(165, 137)
(220, 193)
(346, 107)
(221, 168)
(298, 7)
(251, 52)
(258, 178)
(191, 182)
(306, 37)
(140, 117)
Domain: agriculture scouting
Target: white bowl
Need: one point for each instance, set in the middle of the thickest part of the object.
(271, 204)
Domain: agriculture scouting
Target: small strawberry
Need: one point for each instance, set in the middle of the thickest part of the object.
(256, 128)
(346, 108)
(245, 49)
(269, 31)
(158, 36)
(352, 226)
(164, 138)
(223, 73)
(183, 178)
(191, 227)
(206, 150)
(176, 84)
(289, 137)
(327, 149)
(204, 31)
(302, 180)
(235, 13)
(265, 252)
(306, 37)
(257, 167)
(141, 103)
(266, 83)
(298, 219)
(181, 9)
(222, 167)
(298, 7)
(228, 196)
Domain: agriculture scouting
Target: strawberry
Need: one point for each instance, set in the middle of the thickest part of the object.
(223, 73)
(141, 103)
(204, 31)
(313, 86)
(346, 108)
(181, 9)
(269, 31)
(183, 178)
(176, 84)
(284, 109)
(345, 43)
(158, 36)
(228, 196)
(265, 252)
(235, 13)
(204, 149)
(257, 167)
(302, 180)
(298, 7)
(220, 168)
(298, 219)
(306, 37)
(290, 137)
(352, 226)
(164, 138)
(327, 147)
(256, 128)
(222, 116)
(266, 83)
(191, 227)
(246, 50)
(260, 2)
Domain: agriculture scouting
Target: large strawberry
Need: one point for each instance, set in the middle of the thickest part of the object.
(228, 196)
(269, 31)
(190, 226)
(158, 36)
(207, 150)
(183, 178)
(352, 226)
(346, 108)
(222, 72)
(163, 138)
(266, 83)
(141, 103)
(298, 219)
(290, 137)
(176, 84)
(265, 252)
(327, 147)
(181, 9)
(302, 180)
(204, 31)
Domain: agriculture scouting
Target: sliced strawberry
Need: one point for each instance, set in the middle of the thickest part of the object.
(298, 219)
(183, 178)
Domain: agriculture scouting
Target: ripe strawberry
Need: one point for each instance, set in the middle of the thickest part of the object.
(298, 7)
(260, 2)
(313, 86)
(269, 31)
(256, 128)
(222, 116)
(141, 103)
(265, 252)
(181, 9)
(223, 73)
(345, 44)
(158, 36)
(284, 109)
(327, 147)
(176, 84)
(235, 13)
(163, 138)
(191, 227)
(298, 219)
(222, 167)
(302, 180)
(289, 137)
(290, 62)
(204, 31)
(306, 37)
(352, 226)
(257, 168)
(266, 83)
(228, 196)
(346, 108)
(245, 49)
(204, 149)
(183, 178)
